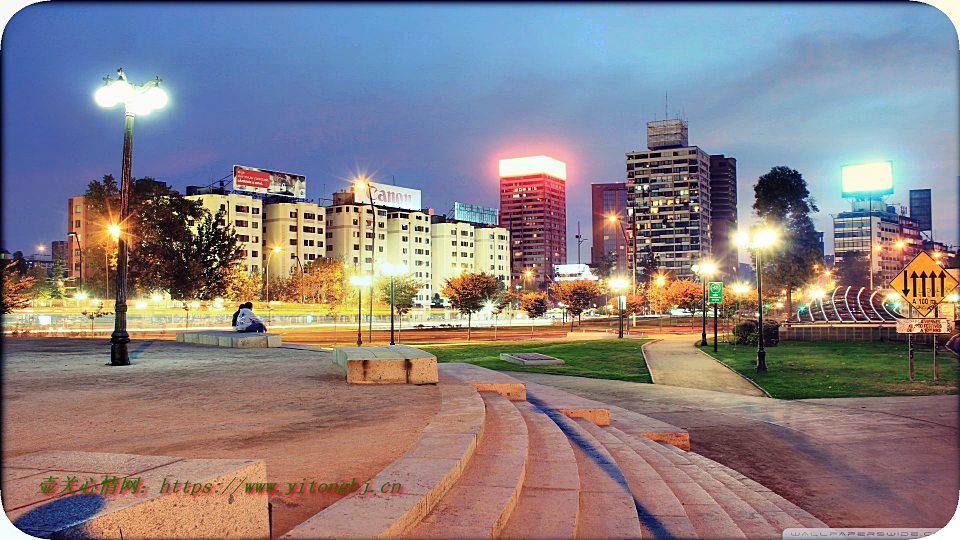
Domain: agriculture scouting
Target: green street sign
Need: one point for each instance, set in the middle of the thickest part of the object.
(715, 292)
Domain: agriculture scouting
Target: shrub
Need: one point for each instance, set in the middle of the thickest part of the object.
(747, 333)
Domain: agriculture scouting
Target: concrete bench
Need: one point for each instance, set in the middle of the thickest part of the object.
(227, 338)
(153, 512)
(392, 364)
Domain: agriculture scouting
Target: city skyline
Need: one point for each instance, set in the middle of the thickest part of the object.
(439, 101)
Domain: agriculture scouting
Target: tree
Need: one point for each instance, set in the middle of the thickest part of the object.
(39, 289)
(216, 250)
(325, 281)
(853, 270)
(18, 264)
(535, 304)
(241, 286)
(685, 294)
(605, 264)
(58, 279)
(468, 293)
(405, 290)
(782, 201)
(15, 289)
(576, 295)
(658, 298)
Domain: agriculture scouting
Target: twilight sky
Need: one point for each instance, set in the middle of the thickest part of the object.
(435, 94)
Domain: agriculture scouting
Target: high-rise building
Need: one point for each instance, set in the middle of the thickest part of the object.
(611, 200)
(669, 192)
(79, 231)
(533, 209)
(862, 231)
(921, 208)
(297, 229)
(723, 219)
(58, 250)
(244, 213)
(408, 243)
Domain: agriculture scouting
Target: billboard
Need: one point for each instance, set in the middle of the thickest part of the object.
(867, 180)
(269, 182)
(388, 196)
(476, 214)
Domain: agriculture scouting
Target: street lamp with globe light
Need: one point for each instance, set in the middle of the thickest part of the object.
(137, 100)
(702, 270)
(266, 272)
(761, 239)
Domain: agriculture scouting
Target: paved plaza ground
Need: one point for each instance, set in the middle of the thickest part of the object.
(289, 407)
(851, 462)
(674, 360)
(858, 462)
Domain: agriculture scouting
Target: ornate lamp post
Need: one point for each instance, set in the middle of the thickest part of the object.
(137, 99)
(393, 270)
(761, 239)
(363, 184)
(359, 282)
(701, 270)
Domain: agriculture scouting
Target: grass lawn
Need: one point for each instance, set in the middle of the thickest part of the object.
(829, 369)
(619, 360)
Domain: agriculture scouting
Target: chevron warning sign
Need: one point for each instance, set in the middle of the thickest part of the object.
(923, 283)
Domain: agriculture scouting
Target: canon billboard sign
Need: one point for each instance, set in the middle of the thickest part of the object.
(389, 196)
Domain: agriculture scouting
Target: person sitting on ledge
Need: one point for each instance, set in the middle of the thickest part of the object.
(247, 321)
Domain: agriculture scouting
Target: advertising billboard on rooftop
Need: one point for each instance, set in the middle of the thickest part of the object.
(270, 182)
(867, 180)
(388, 196)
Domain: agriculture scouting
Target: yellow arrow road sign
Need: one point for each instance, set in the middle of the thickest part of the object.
(923, 283)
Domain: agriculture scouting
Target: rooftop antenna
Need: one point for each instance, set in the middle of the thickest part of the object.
(665, 115)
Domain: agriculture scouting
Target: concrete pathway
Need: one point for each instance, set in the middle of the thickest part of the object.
(675, 361)
(858, 462)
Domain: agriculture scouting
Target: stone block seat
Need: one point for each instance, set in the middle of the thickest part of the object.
(150, 513)
(508, 459)
(391, 364)
(230, 338)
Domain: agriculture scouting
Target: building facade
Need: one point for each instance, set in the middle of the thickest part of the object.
(409, 244)
(889, 238)
(297, 229)
(244, 213)
(608, 236)
(669, 193)
(462, 247)
(723, 219)
(79, 231)
(533, 209)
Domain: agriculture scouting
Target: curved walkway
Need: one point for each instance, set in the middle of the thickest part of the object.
(676, 361)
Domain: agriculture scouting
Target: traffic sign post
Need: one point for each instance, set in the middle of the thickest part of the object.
(715, 297)
(923, 283)
(715, 292)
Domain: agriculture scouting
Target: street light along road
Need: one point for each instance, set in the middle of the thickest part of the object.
(761, 239)
(137, 99)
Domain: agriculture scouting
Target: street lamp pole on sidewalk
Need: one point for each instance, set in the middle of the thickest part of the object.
(701, 270)
(359, 282)
(761, 239)
(137, 99)
(393, 270)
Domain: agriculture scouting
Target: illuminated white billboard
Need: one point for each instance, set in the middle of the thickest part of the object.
(869, 179)
(388, 196)
(533, 165)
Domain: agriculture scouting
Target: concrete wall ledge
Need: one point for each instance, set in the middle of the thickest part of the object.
(391, 364)
(232, 339)
(146, 514)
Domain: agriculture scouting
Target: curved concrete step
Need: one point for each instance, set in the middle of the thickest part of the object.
(748, 518)
(708, 517)
(481, 503)
(760, 497)
(550, 499)
(427, 470)
(659, 510)
(607, 508)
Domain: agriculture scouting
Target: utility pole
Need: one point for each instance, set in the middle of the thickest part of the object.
(580, 240)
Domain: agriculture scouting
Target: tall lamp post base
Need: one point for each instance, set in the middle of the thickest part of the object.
(761, 361)
(118, 351)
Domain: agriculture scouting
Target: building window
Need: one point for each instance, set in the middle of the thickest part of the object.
(255, 268)
(254, 253)
(76, 224)
(293, 241)
(293, 214)
(241, 223)
(256, 211)
(293, 256)
(309, 215)
(76, 209)
(242, 209)
(309, 229)
(293, 228)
